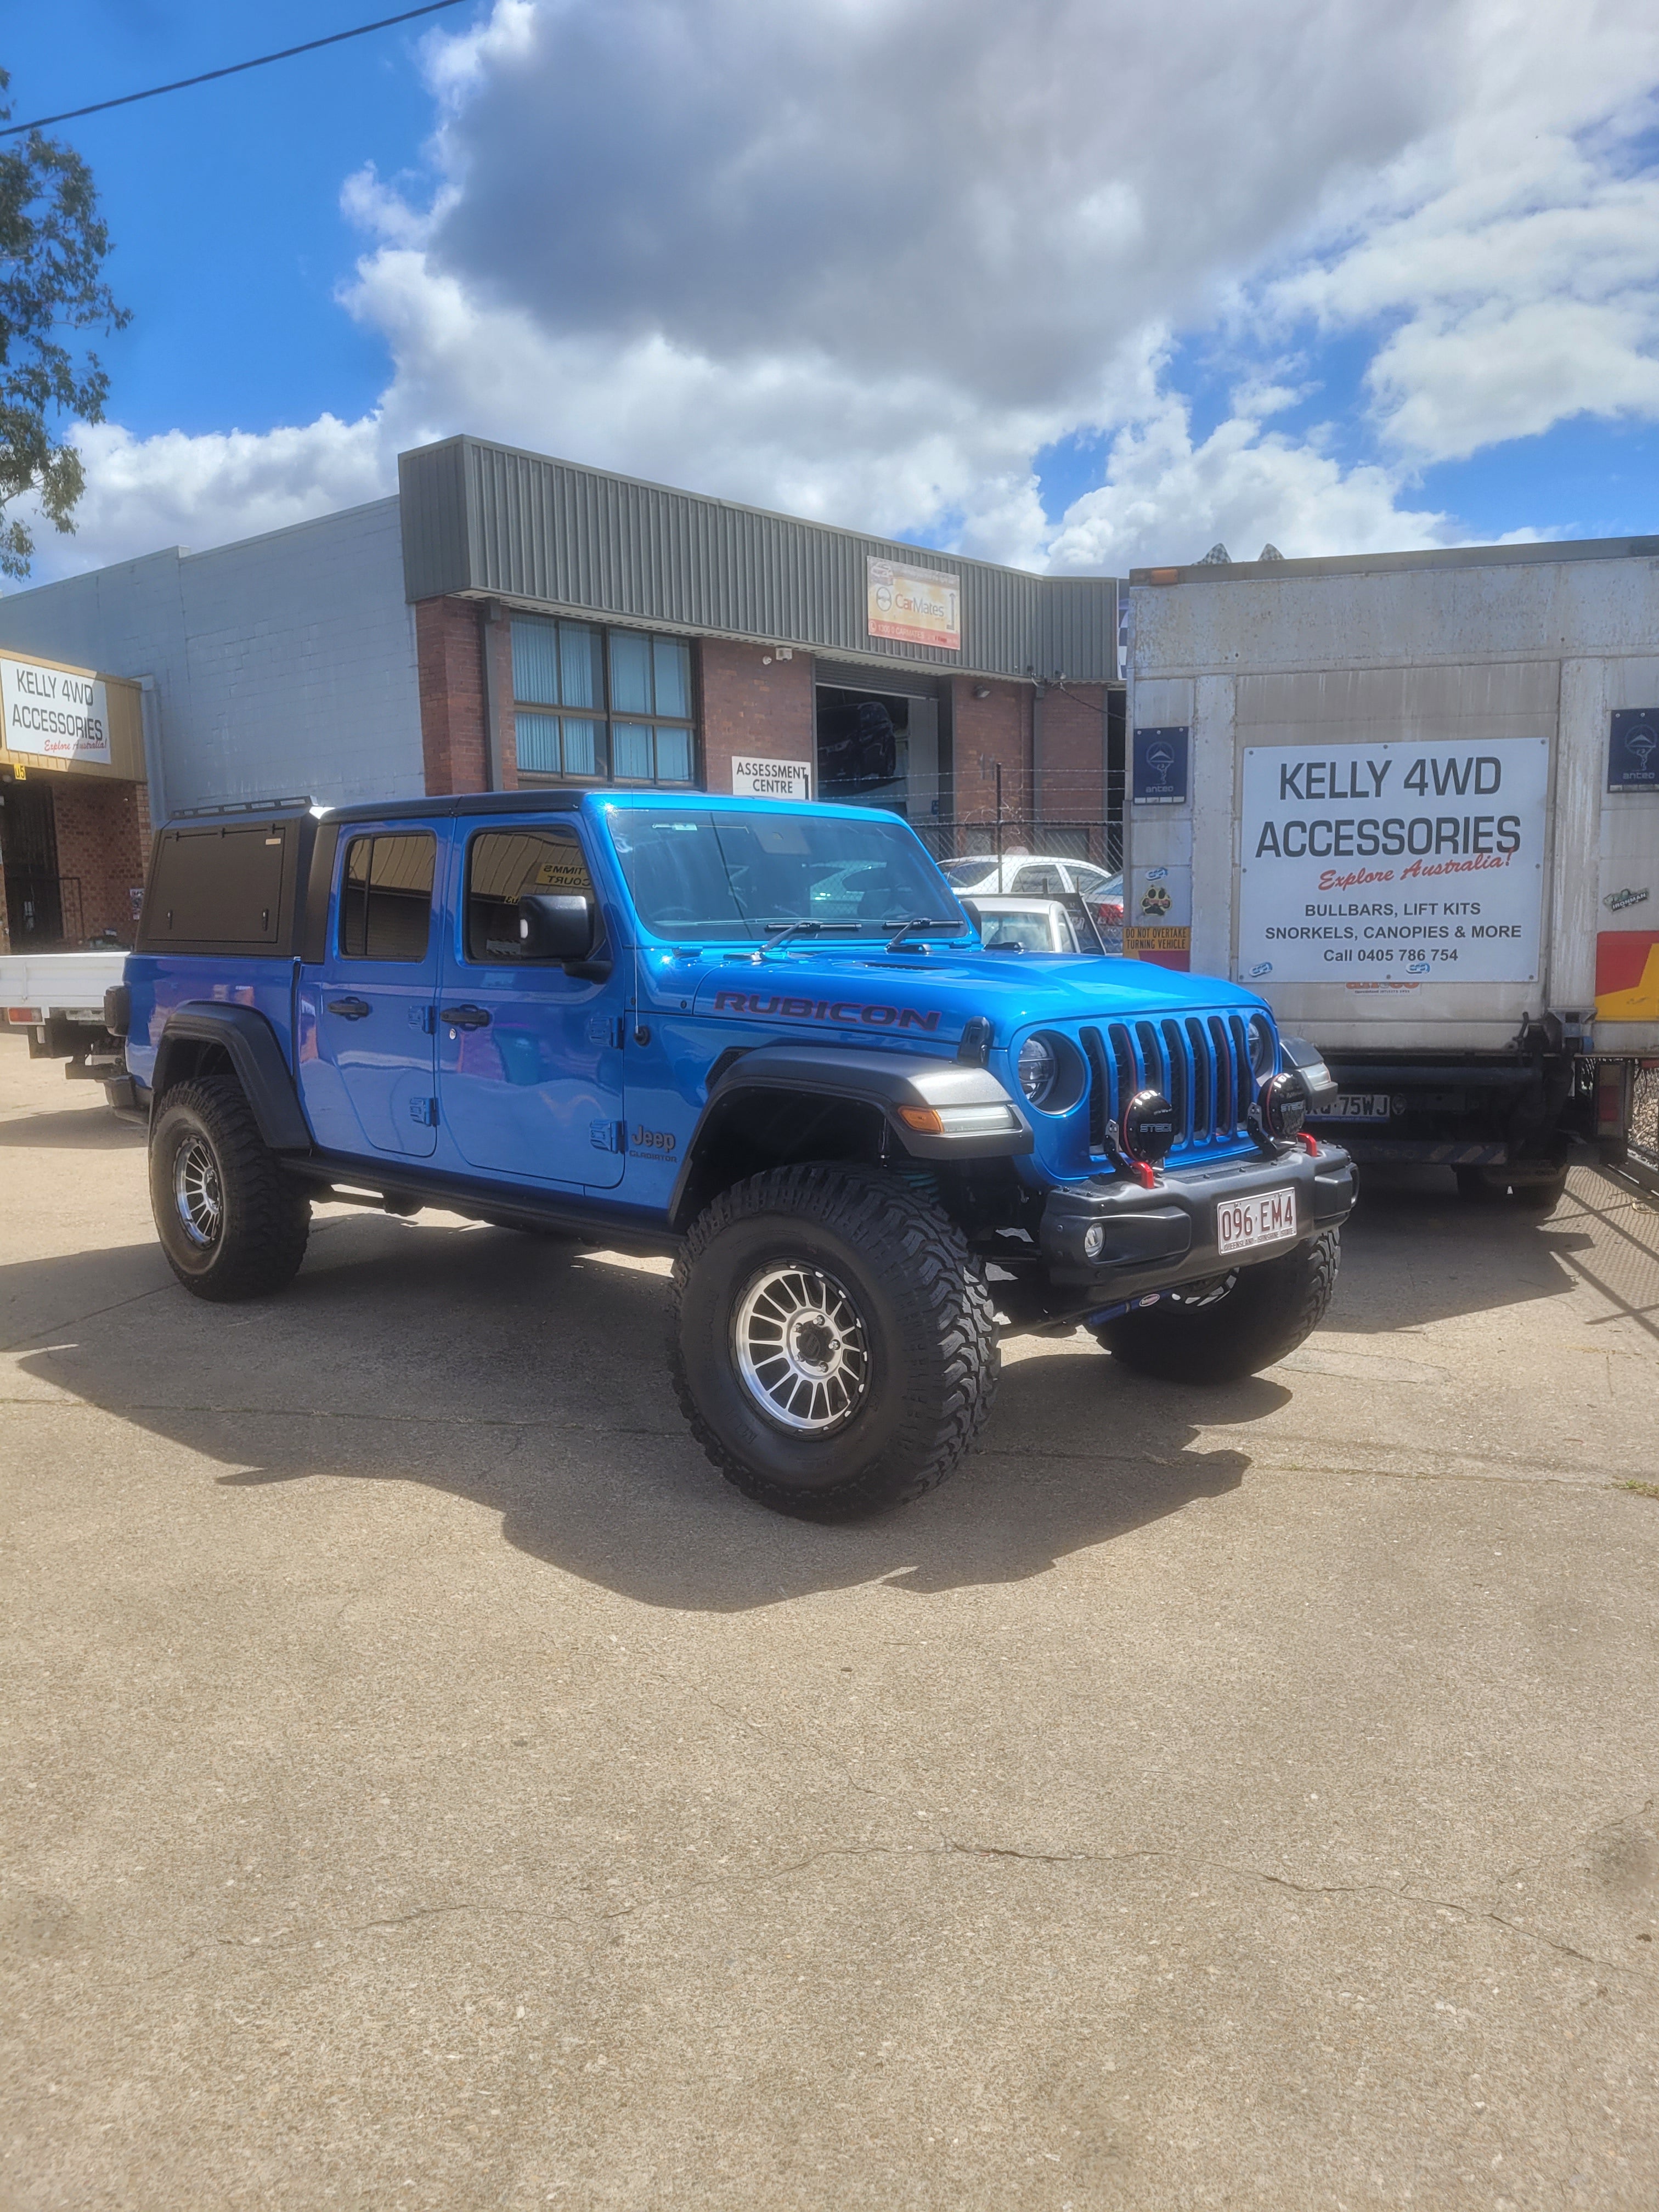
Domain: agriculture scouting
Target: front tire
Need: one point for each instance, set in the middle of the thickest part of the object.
(833, 1343)
(1212, 1333)
(230, 1223)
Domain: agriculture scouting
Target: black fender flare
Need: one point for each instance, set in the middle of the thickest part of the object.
(255, 1055)
(887, 1082)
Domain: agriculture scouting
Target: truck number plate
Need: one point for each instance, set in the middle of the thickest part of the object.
(1242, 1224)
(1355, 1106)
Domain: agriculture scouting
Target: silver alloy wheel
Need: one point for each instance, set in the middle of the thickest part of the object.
(197, 1193)
(800, 1348)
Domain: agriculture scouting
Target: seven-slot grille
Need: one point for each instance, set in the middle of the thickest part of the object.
(1200, 1062)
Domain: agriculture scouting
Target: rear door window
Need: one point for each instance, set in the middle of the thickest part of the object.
(1042, 880)
(385, 896)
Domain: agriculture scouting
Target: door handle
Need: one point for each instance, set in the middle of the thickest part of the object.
(465, 1017)
(350, 1010)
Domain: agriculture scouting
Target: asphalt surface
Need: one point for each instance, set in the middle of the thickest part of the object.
(425, 1785)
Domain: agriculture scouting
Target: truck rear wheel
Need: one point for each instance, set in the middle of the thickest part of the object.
(833, 1343)
(230, 1223)
(1538, 1195)
(1233, 1326)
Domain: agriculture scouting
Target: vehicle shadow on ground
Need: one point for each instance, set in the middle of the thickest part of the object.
(72, 1129)
(527, 1377)
(1414, 1252)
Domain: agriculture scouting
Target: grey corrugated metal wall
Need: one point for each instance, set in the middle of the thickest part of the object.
(487, 519)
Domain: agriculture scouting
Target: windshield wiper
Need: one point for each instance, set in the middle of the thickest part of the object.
(779, 933)
(921, 922)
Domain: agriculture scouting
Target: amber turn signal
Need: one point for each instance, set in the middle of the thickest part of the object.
(924, 1120)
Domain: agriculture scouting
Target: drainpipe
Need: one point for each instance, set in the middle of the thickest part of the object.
(493, 704)
(149, 715)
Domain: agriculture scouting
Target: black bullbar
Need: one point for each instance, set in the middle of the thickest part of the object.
(1150, 1239)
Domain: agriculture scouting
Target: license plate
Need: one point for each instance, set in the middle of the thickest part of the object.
(1245, 1224)
(1355, 1106)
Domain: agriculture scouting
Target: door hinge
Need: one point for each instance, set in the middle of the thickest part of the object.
(608, 1136)
(605, 1029)
(425, 1111)
(424, 1018)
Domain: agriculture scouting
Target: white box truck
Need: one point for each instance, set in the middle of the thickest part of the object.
(1414, 799)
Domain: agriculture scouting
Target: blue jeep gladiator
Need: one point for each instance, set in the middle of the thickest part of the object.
(762, 1038)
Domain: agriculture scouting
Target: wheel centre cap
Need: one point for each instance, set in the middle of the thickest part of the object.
(815, 1345)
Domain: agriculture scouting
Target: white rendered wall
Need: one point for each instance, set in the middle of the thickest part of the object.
(284, 665)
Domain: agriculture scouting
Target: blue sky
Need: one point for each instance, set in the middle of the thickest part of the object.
(223, 201)
(1410, 294)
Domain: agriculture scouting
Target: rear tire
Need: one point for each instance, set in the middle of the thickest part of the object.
(230, 1223)
(1266, 1311)
(1539, 1197)
(832, 1343)
(1490, 1187)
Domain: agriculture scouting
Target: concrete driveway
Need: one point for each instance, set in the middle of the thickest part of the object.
(426, 1784)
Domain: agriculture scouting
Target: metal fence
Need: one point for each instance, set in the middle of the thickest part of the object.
(1644, 1117)
(961, 838)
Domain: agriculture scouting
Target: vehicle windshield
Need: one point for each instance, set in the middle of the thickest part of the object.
(964, 874)
(700, 874)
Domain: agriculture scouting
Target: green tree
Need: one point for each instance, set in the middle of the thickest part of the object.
(52, 246)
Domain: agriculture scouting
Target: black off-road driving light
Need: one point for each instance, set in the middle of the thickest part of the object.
(1148, 1127)
(1285, 1106)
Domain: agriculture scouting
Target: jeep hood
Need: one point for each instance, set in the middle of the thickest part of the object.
(936, 993)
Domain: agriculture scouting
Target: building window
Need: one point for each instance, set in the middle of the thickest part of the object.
(602, 706)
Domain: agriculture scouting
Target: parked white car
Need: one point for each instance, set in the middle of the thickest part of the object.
(1035, 924)
(1039, 875)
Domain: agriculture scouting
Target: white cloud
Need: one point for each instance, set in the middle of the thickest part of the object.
(807, 259)
(1513, 258)
(176, 489)
(1165, 499)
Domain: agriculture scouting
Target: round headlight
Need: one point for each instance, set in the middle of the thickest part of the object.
(1038, 1069)
(1264, 1047)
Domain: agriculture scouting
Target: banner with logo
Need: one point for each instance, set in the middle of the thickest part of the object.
(1393, 863)
(916, 606)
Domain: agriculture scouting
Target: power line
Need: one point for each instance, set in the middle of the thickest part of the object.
(69, 114)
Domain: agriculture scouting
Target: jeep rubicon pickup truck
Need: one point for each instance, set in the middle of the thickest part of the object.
(762, 1038)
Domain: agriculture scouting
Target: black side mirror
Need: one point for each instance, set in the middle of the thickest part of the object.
(555, 925)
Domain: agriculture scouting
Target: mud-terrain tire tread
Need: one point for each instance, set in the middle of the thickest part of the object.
(267, 1219)
(885, 1221)
(1280, 1303)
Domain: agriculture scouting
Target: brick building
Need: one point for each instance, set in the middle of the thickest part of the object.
(508, 620)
